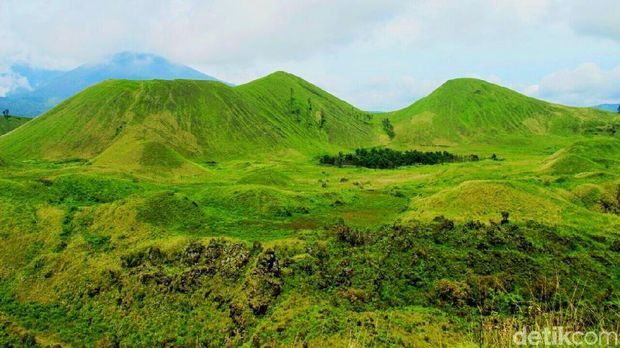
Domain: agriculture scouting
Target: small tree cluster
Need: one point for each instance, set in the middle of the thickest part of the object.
(384, 158)
(388, 128)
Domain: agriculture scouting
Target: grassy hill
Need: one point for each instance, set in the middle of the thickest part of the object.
(201, 120)
(474, 111)
(123, 122)
(10, 123)
(585, 156)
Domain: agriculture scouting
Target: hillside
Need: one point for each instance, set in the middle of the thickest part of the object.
(123, 121)
(595, 155)
(51, 88)
(470, 110)
(10, 123)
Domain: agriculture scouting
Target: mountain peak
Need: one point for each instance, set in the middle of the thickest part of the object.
(281, 76)
(128, 57)
(466, 84)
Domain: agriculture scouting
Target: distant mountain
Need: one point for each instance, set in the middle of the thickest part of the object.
(36, 77)
(51, 88)
(607, 107)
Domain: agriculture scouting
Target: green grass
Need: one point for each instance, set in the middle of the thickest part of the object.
(200, 120)
(475, 111)
(7, 124)
(193, 213)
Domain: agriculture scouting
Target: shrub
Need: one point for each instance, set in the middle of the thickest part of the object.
(449, 292)
(385, 158)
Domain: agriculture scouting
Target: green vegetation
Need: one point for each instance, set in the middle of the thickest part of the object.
(9, 123)
(192, 213)
(201, 120)
(473, 111)
(388, 128)
(384, 158)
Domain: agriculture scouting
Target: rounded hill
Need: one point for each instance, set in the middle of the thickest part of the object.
(469, 110)
(201, 120)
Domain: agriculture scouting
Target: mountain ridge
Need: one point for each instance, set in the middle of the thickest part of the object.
(209, 120)
(200, 120)
(608, 107)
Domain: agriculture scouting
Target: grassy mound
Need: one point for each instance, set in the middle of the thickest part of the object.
(160, 155)
(168, 209)
(590, 155)
(258, 200)
(484, 200)
(589, 195)
(267, 177)
(567, 163)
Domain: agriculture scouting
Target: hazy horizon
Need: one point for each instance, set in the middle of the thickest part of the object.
(376, 55)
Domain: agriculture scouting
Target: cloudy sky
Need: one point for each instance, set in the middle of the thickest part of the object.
(378, 55)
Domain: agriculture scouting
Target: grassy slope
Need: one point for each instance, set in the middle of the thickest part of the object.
(475, 111)
(11, 123)
(201, 120)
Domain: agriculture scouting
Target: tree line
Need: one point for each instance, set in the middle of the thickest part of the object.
(385, 158)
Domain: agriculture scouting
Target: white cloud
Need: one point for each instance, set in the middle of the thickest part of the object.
(587, 84)
(341, 45)
(432, 22)
(195, 32)
(596, 17)
(532, 90)
(383, 93)
(10, 81)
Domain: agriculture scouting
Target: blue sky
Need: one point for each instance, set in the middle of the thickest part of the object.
(378, 55)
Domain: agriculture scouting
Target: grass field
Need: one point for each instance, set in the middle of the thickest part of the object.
(196, 214)
(9, 123)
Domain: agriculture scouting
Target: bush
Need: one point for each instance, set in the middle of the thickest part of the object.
(449, 292)
(346, 234)
(385, 158)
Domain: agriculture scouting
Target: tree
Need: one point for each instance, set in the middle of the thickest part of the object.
(619, 108)
(321, 119)
(388, 128)
(6, 112)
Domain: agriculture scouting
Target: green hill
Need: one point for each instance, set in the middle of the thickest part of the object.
(10, 123)
(124, 121)
(585, 156)
(129, 123)
(470, 110)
